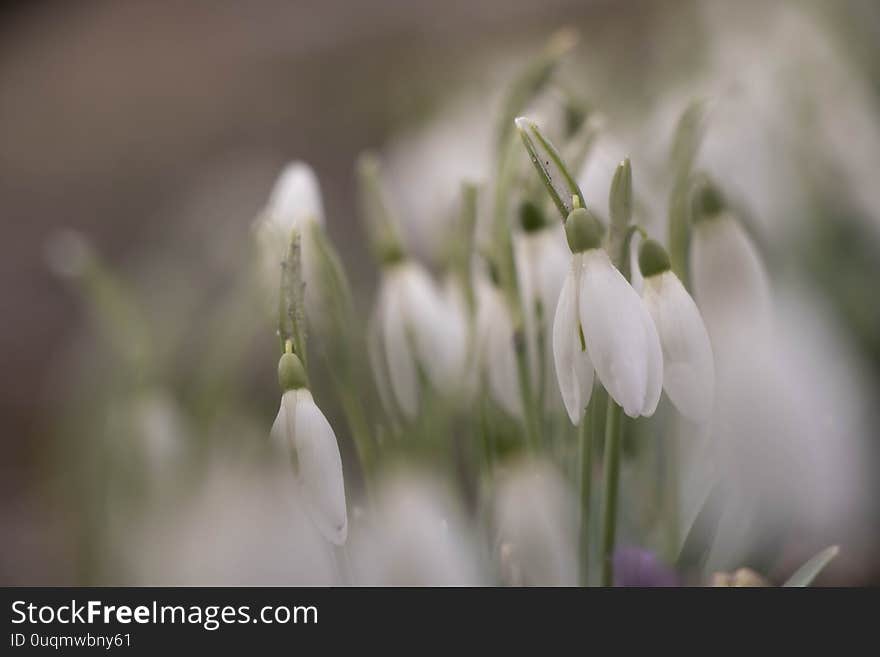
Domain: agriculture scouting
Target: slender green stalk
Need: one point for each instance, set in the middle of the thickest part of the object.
(585, 444)
(530, 419)
(671, 494)
(360, 433)
(612, 479)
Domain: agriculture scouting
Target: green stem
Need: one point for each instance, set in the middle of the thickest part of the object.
(585, 443)
(671, 495)
(612, 479)
(357, 424)
(525, 386)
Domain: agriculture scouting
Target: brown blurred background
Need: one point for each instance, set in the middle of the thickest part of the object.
(147, 125)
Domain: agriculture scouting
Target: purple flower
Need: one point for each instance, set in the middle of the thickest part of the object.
(634, 566)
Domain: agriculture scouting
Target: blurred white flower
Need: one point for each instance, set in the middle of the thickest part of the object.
(534, 517)
(728, 278)
(688, 366)
(542, 258)
(619, 337)
(425, 169)
(417, 538)
(574, 371)
(294, 204)
(495, 348)
(301, 426)
(598, 170)
(790, 445)
(417, 327)
(232, 529)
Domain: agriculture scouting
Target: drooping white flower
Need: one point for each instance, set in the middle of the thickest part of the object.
(229, 526)
(574, 371)
(728, 278)
(535, 530)
(417, 536)
(302, 433)
(541, 262)
(294, 204)
(495, 348)
(619, 338)
(417, 326)
(688, 367)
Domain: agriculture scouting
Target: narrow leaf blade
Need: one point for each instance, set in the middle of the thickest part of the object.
(555, 175)
(805, 575)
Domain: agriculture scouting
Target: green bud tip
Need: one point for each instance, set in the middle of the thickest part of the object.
(291, 373)
(708, 201)
(390, 252)
(583, 230)
(531, 217)
(653, 258)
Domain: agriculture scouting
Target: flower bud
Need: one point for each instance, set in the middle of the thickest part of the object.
(531, 217)
(653, 258)
(583, 230)
(291, 373)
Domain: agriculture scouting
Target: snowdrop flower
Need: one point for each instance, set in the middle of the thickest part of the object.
(294, 204)
(542, 262)
(416, 327)
(688, 368)
(232, 528)
(495, 348)
(302, 432)
(417, 537)
(536, 534)
(727, 275)
(602, 323)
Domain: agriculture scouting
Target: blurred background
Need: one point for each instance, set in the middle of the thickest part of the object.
(158, 129)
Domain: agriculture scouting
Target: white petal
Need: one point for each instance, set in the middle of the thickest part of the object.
(320, 469)
(378, 361)
(688, 368)
(402, 371)
(296, 198)
(613, 323)
(497, 351)
(729, 281)
(573, 368)
(417, 537)
(468, 381)
(654, 382)
(439, 332)
(533, 512)
(282, 429)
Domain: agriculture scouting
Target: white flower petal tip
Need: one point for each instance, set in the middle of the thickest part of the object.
(419, 326)
(533, 513)
(396, 346)
(494, 338)
(574, 371)
(418, 537)
(620, 340)
(688, 363)
(296, 197)
(302, 427)
(655, 363)
(729, 281)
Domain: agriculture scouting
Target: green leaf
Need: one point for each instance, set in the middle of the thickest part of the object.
(556, 176)
(620, 204)
(380, 222)
(687, 139)
(291, 310)
(685, 144)
(805, 575)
